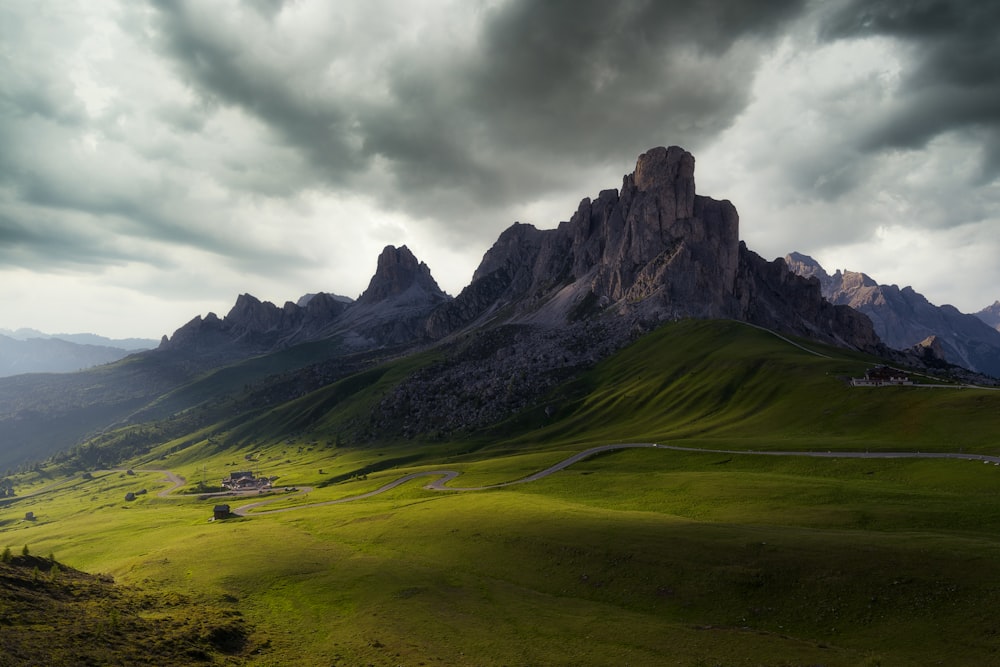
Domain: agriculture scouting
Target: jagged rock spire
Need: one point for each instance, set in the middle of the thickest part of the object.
(398, 271)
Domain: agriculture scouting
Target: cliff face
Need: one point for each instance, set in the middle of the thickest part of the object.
(652, 251)
(770, 295)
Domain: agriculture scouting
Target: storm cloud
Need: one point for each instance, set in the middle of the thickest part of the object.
(951, 82)
(177, 153)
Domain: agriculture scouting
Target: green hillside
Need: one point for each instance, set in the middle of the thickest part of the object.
(729, 382)
(645, 556)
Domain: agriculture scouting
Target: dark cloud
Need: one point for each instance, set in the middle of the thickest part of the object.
(950, 82)
(48, 243)
(556, 84)
(462, 127)
(224, 65)
(267, 8)
(211, 139)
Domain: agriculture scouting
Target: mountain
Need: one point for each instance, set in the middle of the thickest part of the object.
(543, 307)
(904, 318)
(130, 344)
(253, 327)
(390, 312)
(652, 252)
(52, 355)
(991, 315)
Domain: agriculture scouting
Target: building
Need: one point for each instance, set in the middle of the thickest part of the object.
(220, 512)
(881, 376)
(244, 480)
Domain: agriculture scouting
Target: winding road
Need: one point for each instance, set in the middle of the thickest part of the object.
(442, 477)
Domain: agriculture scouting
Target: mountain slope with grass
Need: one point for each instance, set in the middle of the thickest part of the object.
(638, 556)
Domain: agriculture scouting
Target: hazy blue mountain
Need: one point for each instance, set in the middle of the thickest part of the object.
(52, 355)
(132, 344)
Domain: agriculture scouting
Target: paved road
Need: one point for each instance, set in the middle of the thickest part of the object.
(440, 478)
(443, 477)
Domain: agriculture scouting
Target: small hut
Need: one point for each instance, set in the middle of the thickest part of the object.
(220, 512)
(29, 516)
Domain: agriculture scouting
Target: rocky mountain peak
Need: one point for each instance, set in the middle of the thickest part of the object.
(653, 251)
(991, 315)
(251, 313)
(399, 272)
(669, 173)
(807, 267)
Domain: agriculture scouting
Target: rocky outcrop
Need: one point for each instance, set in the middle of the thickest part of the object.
(505, 275)
(652, 251)
(393, 310)
(931, 352)
(253, 326)
(395, 307)
(400, 276)
(904, 318)
(991, 315)
(771, 296)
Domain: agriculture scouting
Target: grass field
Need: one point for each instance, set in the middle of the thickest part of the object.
(642, 557)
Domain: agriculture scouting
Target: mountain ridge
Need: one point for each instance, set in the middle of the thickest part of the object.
(542, 307)
(131, 344)
(905, 319)
(652, 251)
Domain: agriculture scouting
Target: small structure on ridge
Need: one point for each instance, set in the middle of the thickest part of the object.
(881, 376)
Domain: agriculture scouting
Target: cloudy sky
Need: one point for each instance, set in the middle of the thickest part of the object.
(159, 158)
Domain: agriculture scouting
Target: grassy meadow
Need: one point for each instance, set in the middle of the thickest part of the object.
(639, 557)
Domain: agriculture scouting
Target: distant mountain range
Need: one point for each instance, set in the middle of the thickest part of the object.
(31, 351)
(131, 344)
(904, 318)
